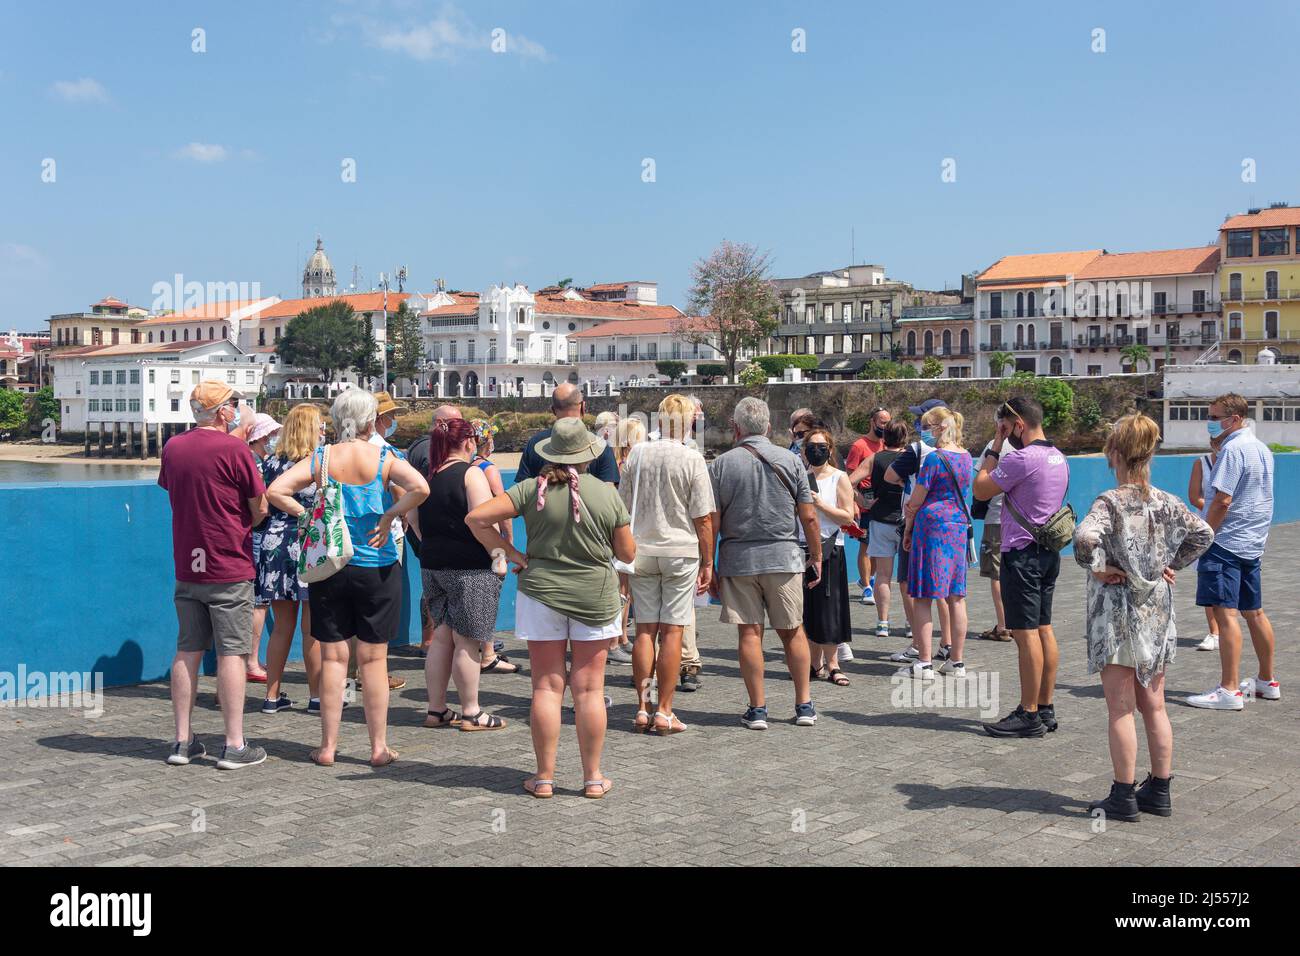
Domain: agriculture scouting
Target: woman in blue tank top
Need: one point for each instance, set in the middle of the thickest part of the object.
(363, 599)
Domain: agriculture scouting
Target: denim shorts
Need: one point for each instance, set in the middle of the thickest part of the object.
(1225, 580)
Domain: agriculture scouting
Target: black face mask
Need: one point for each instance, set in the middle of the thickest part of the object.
(880, 432)
(1015, 442)
(818, 454)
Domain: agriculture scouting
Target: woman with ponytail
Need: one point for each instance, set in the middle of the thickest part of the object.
(568, 591)
(461, 589)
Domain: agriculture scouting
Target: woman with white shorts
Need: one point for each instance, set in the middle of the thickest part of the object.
(568, 591)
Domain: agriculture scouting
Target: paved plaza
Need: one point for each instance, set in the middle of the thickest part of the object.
(872, 783)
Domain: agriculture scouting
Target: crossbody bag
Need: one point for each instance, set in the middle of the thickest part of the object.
(794, 495)
(1054, 533)
(972, 552)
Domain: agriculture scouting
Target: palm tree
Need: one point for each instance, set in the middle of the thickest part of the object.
(1136, 354)
(998, 361)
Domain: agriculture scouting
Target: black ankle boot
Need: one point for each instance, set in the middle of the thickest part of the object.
(1153, 796)
(1120, 805)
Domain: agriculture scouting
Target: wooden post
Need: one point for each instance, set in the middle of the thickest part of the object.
(159, 443)
(117, 439)
(144, 441)
(86, 436)
(101, 439)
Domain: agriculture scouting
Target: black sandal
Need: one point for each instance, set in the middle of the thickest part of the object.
(494, 666)
(470, 722)
(442, 718)
(836, 677)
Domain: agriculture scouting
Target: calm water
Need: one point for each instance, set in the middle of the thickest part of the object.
(18, 472)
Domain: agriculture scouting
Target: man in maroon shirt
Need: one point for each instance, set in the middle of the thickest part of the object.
(217, 497)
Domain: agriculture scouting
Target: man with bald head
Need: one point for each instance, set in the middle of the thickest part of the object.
(446, 411)
(566, 402)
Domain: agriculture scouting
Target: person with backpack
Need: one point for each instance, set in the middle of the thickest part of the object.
(1037, 522)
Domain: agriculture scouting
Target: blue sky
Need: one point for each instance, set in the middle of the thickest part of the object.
(526, 166)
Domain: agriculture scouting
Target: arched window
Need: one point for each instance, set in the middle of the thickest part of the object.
(150, 336)
(947, 342)
(1055, 365)
(929, 342)
(1235, 356)
(1270, 284)
(965, 341)
(1234, 285)
(1032, 338)
(1020, 304)
(1032, 299)
(911, 343)
(1020, 336)
(211, 335)
(187, 334)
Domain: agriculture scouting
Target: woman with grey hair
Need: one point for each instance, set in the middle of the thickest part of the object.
(363, 598)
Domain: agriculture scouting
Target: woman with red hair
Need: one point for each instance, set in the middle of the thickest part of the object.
(460, 587)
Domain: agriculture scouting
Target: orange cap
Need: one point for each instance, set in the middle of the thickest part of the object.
(210, 393)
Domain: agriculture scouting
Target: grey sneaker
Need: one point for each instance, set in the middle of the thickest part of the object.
(246, 756)
(183, 753)
(805, 715)
(619, 655)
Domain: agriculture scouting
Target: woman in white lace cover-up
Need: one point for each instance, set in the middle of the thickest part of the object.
(1133, 539)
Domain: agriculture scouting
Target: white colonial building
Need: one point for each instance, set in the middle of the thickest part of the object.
(510, 341)
(135, 389)
(1272, 390)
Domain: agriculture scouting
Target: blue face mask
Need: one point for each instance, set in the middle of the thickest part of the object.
(1214, 428)
(234, 422)
(388, 432)
(926, 436)
(271, 443)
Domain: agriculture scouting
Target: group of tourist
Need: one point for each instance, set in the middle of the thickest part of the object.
(633, 525)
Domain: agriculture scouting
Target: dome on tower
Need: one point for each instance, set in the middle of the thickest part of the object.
(318, 276)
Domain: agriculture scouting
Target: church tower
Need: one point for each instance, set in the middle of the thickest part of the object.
(318, 277)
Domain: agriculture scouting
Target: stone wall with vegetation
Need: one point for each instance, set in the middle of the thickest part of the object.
(1078, 409)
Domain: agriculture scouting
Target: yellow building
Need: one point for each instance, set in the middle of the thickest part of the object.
(1259, 284)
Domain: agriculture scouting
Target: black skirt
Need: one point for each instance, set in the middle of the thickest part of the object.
(826, 607)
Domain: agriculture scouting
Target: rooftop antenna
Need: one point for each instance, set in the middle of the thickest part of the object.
(853, 246)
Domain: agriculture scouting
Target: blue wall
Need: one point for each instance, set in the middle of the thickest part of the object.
(87, 577)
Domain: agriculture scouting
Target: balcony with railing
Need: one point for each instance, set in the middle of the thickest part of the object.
(1277, 294)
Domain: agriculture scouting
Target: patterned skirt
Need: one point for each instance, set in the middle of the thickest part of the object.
(277, 565)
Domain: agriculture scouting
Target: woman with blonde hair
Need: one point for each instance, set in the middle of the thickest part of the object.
(936, 532)
(1133, 539)
(362, 599)
(624, 435)
(277, 567)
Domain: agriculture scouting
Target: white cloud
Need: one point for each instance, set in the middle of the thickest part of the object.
(202, 152)
(84, 90)
(18, 261)
(442, 38)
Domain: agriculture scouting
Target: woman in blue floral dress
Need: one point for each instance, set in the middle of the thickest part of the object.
(936, 535)
(277, 581)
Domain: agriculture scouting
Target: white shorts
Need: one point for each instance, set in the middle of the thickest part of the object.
(883, 540)
(534, 621)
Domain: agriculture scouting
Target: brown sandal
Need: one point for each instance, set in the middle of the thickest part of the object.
(836, 677)
(442, 718)
(470, 722)
(316, 759)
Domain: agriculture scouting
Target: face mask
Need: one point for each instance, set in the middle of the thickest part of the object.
(818, 454)
(388, 432)
(1214, 428)
(271, 443)
(926, 436)
(234, 422)
(880, 432)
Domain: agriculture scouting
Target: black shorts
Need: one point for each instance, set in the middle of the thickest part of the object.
(1028, 577)
(365, 603)
(903, 558)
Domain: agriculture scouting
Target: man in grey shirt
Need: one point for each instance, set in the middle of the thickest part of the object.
(762, 494)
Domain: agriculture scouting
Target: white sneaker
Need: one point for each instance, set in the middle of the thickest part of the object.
(908, 633)
(1209, 643)
(844, 653)
(882, 629)
(917, 670)
(908, 656)
(955, 668)
(1218, 699)
(1264, 690)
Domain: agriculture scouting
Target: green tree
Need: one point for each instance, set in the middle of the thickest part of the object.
(670, 369)
(365, 359)
(1057, 399)
(710, 370)
(887, 369)
(732, 302)
(1136, 355)
(564, 283)
(999, 361)
(326, 338)
(775, 365)
(753, 374)
(44, 405)
(407, 358)
(13, 410)
(931, 367)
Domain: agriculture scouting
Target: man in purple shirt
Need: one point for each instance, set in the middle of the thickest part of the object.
(1033, 478)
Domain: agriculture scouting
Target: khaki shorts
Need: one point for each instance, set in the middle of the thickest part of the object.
(991, 551)
(745, 598)
(218, 616)
(663, 589)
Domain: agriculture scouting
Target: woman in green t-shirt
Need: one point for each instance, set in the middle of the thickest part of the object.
(568, 591)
